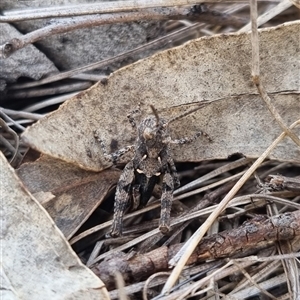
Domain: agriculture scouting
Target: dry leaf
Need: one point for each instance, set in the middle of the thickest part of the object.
(37, 262)
(210, 68)
(77, 193)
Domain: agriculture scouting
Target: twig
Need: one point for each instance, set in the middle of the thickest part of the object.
(98, 8)
(196, 13)
(183, 255)
(256, 75)
(75, 23)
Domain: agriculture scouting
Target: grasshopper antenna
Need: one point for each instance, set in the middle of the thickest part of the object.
(155, 114)
(188, 112)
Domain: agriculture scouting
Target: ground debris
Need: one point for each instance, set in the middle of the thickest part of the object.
(253, 234)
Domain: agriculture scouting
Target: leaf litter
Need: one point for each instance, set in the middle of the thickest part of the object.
(238, 123)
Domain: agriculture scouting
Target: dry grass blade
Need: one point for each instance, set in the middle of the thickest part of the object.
(120, 285)
(22, 114)
(14, 149)
(264, 18)
(256, 74)
(246, 274)
(148, 281)
(191, 185)
(230, 268)
(59, 89)
(4, 116)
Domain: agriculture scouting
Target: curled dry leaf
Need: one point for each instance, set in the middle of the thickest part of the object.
(36, 260)
(210, 68)
(77, 193)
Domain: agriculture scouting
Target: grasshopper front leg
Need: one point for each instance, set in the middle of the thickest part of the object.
(112, 157)
(123, 193)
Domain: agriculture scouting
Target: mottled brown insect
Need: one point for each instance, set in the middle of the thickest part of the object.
(152, 164)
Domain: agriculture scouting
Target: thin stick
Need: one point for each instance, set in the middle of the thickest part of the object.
(49, 102)
(80, 22)
(99, 8)
(180, 259)
(255, 40)
(256, 75)
(216, 172)
(275, 113)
